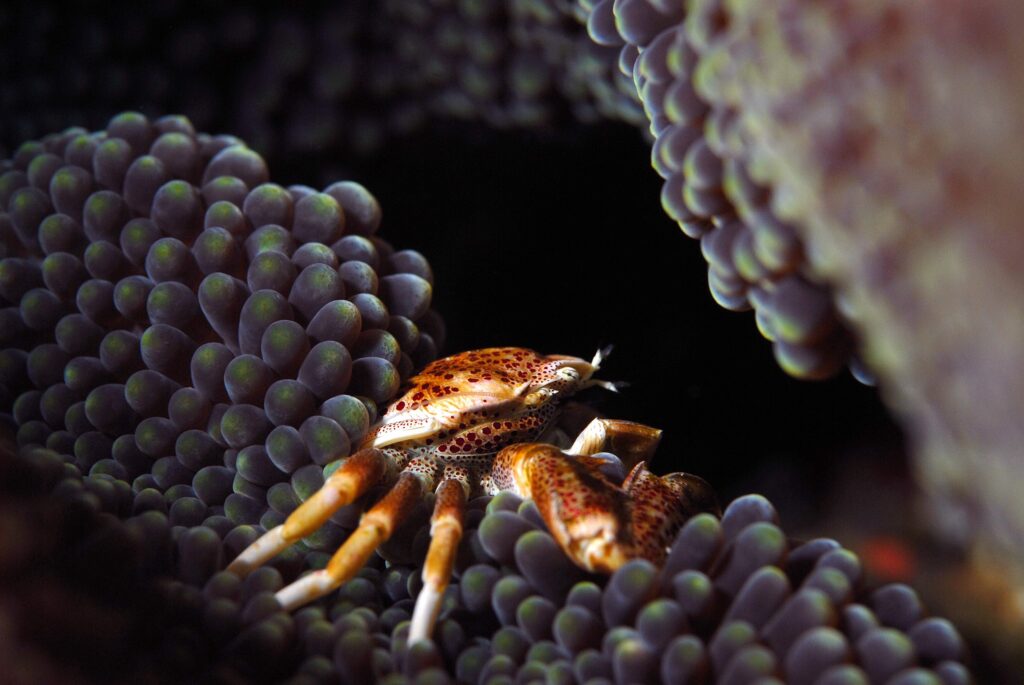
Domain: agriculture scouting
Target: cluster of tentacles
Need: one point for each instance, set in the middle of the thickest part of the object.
(345, 78)
(98, 589)
(176, 321)
(103, 326)
(129, 410)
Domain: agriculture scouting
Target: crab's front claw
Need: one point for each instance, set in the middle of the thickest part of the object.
(585, 512)
(601, 525)
(660, 505)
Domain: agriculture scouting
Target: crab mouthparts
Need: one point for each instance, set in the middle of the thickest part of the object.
(602, 554)
(596, 542)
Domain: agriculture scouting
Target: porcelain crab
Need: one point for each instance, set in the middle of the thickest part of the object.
(480, 422)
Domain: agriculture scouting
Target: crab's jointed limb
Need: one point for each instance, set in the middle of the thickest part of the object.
(445, 535)
(375, 527)
(355, 476)
(600, 524)
(469, 425)
(629, 441)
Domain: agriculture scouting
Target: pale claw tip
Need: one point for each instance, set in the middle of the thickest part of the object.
(239, 568)
(259, 552)
(304, 590)
(424, 615)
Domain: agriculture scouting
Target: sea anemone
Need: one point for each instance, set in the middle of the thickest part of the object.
(736, 601)
(176, 321)
(345, 79)
(195, 343)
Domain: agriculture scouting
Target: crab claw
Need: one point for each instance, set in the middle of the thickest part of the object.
(598, 524)
(660, 505)
(583, 510)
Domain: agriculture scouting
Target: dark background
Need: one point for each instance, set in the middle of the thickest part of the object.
(551, 238)
(559, 243)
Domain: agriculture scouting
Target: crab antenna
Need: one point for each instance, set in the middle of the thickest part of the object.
(601, 354)
(612, 386)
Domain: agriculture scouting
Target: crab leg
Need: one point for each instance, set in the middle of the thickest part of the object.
(361, 471)
(374, 528)
(445, 534)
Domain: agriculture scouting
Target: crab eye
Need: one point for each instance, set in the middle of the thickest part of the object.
(569, 373)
